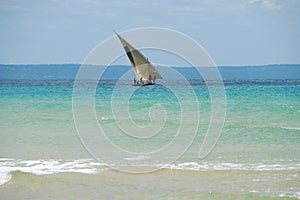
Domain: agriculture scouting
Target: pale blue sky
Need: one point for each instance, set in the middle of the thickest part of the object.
(234, 32)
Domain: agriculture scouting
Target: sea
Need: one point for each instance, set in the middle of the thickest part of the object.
(184, 138)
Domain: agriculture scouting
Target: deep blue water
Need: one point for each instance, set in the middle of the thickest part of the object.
(69, 71)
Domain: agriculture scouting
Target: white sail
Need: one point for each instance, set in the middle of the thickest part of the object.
(140, 64)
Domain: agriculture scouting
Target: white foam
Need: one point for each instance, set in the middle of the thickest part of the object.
(90, 166)
(42, 167)
(137, 158)
(4, 177)
(208, 166)
(293, 195)
(291, 128)
(105, 118)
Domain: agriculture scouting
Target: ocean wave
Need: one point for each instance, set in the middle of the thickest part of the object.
(137, 158)
(4, 177)
(44, 167)
(290, 195)
(91, 166)
(291, 128)
(212, 166)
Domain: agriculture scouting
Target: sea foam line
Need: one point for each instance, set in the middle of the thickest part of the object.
(210, 166)
(291, 128)
(90, 166)
(43, 167)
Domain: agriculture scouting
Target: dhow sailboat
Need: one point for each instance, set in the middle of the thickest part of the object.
(145, 73)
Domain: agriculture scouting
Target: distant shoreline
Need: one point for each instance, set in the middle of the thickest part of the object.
(77, 64)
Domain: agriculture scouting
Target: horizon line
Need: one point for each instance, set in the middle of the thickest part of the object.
(250, 65)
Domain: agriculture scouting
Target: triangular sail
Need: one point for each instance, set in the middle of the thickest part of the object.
(141, 66)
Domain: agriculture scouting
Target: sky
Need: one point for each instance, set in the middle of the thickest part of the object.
(233, 32)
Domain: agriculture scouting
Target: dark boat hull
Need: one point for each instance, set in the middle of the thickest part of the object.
(145, 84)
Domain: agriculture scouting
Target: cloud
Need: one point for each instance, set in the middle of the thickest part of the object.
(267, 4)
(270, 5)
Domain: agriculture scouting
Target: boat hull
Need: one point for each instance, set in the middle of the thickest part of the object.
(145, 84)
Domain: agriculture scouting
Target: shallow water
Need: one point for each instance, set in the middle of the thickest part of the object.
(163, 184)
(256, 157)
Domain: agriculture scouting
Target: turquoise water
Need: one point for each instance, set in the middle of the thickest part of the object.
(256, 157)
